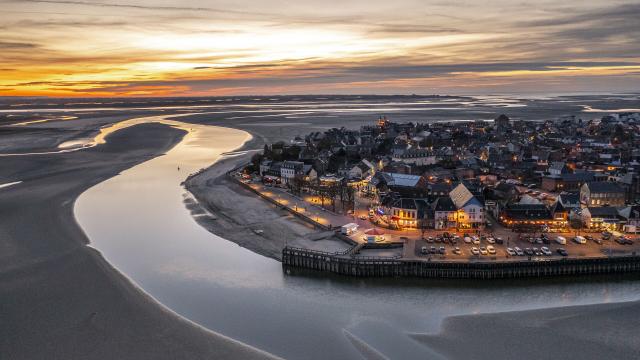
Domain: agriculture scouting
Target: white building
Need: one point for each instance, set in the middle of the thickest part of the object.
(290, 169)
(470, 214)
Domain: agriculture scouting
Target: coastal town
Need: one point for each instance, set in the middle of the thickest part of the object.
(499, 190)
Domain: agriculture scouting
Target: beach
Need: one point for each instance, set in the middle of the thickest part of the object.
(60, 298)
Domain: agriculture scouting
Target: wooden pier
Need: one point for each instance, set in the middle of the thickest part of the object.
(345, 264)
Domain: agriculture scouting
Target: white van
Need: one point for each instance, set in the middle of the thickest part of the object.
(349, 229)
(561, 240)
(580, 240)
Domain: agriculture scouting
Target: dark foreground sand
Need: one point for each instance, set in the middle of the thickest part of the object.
(579, 332)
(59, 299)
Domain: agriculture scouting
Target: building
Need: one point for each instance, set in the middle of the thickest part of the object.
(569, 201)
(470, 210)
(602, 194)
(528, 217)
(602, 218)
(290, 169)
(405, 185)
(631, 214)
(558, 168)
(265, 165)
(444, 213)
(418, 157)
(404, 213)
(566, 181)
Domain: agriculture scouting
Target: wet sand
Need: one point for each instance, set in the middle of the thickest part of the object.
(59, 299)
(607, 331)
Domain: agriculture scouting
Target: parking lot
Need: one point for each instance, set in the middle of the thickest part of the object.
(485, 247)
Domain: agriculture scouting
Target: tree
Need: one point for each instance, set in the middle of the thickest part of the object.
(332, 192)
(256, 159)
(297, 183)
(423, 225)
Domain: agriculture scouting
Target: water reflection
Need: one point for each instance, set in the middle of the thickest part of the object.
(139, 222)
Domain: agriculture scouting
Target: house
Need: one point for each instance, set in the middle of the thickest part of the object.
(566, 181)
(569, 200)
(526, 216)
(309, 173)
(470, 213)
(444, 213)
(560, 216)
(602, 218)
(631, 214)
(418, 157)
(359, 171)
(265, 165)
(602, 194)
(404, 213)
(439, 189)
(404, 184)
(558, 168)
(506, 191)
(290, 169)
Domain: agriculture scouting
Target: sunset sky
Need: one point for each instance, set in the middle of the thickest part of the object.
(236, 47)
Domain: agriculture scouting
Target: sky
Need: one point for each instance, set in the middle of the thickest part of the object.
(93, 48)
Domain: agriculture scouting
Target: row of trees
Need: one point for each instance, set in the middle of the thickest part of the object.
(332, 193)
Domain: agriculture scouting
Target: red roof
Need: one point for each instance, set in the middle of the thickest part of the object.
(374, 232)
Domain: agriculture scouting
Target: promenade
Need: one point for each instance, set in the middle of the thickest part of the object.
(413, 241)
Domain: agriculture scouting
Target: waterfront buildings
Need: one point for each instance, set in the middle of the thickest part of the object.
(544, 175)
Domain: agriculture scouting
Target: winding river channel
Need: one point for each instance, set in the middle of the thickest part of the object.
(139, 222)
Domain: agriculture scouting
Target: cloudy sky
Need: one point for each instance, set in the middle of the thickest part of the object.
(224, 47)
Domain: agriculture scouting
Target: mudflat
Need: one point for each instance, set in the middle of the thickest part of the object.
(59, 298)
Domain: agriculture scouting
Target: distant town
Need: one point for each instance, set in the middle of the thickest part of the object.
(502, 189)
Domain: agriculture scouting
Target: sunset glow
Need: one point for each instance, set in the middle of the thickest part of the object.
(191, 48)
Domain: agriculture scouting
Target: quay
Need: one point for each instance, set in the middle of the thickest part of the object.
(345, 264)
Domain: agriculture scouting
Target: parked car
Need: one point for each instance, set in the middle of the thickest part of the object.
(561, 240)
(442, 250)
(580, 240)
(483, 251)
(528, 251)
(536, 251)
(491, 249)
(424, 250)
(499, 240)
(562, 252)
(511, 252)
(545, 250)
(606, 235)
(476, 240)
(433, 250)
(430, 239)
(475, 251)
(467, 240)
(457, 251)
(491, 240)
(597, 241)
(518, 251)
